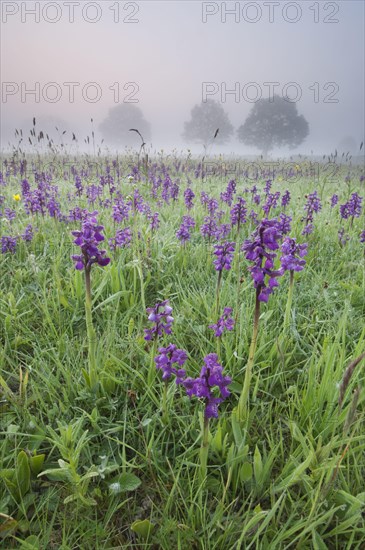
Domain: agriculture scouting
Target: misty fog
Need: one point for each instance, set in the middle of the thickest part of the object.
(66, 63)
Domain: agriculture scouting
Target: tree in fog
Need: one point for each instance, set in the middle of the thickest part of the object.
(116, 127)
(274, 123)
(206, 119)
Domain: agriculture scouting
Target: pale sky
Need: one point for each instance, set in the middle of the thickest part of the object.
(169, 53)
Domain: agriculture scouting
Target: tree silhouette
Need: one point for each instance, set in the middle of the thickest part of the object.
(274, 123)
(206, 119)
(121, 118)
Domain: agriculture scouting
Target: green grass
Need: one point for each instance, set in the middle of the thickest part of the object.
(291, 477)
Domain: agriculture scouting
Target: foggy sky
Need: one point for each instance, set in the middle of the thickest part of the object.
(170, 52)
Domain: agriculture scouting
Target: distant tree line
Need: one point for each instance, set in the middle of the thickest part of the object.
(271, 123)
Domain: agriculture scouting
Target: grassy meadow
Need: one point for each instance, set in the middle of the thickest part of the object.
(111, 457)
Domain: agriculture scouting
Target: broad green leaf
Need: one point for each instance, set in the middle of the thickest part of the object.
(57, 474)
(128, 482)
(246, 472)
(13, 488)
(7, 473)
(143, 528)
(23, 473)
(87, 501)
(30, 543)
(257, 465)
(36, 463)
(89, 475)
(238, 433)
(217, 441)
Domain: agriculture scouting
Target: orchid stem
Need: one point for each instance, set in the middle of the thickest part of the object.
(204, 450)
(152, 369)
(289, 302)
(164, 403)
(219, 282)
(91, 335)
(243, 401)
